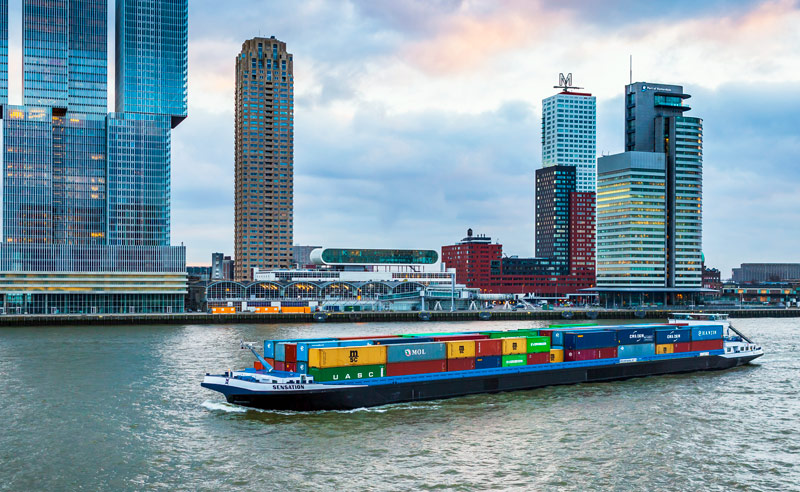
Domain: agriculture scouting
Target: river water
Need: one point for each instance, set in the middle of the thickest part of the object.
(121, 408)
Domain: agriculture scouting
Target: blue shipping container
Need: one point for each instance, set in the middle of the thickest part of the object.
(589, 339)
(628, 336)
(302, 367)
(489, 362)
(709, 332)
(269, 345)
(412, 352)
(636, 350)
(675, 335)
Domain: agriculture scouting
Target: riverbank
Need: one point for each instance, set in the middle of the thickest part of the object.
(368, 316)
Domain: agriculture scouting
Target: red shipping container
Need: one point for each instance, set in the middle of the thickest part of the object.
(258, 366)
(461, 364)
(416, 367)
(291, 366)
(291, 352)
(607, 353)
(706, 345)
(488, 347)
(539, 358)
(682, 347)
(585, 354)
(279, 365)
(450, 338)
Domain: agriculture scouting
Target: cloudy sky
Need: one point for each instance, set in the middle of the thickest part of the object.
(415, 120)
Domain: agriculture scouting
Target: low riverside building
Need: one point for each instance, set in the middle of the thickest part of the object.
(766, 272)
(347, 280)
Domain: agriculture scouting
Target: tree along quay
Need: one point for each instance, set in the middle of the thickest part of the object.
(367, 316)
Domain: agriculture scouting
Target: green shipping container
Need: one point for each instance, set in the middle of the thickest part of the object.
(538, 345)
(347, 373)
(513, 334)
(515, 360)
(572, 325)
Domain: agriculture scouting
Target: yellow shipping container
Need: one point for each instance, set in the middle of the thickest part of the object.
(461, 349)
(515, 346)
(556, 355)
(347, 356)
(665, 348)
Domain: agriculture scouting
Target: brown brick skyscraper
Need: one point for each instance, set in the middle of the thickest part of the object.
(264, 156)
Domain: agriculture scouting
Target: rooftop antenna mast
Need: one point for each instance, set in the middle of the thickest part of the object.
(631, 70)
(565, 83)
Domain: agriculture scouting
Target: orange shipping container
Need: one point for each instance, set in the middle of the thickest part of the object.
(461, 349)
(515, 346)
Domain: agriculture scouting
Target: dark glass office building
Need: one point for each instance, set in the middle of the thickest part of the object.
(86, 200)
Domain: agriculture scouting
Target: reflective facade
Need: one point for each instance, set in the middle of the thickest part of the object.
(569, 136)
(334, 256)
(264, 189)
(86, 201)
(152, 57)
(3, 51)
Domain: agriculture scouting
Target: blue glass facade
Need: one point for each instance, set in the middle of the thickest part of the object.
(138, 179)
(3, 51)
(86, 194)
(152, 57)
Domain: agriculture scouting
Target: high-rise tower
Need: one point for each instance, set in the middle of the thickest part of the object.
(86, 193)
(569, 133)
(264, 157)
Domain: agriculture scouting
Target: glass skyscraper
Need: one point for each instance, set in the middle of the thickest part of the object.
(86, 202)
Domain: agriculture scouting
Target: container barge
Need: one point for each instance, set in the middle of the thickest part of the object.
(356, 372)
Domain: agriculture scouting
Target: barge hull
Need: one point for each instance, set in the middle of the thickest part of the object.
(383, 394)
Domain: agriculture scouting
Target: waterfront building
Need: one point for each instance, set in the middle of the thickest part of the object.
(569, 133)
(222, 267)
(347, 279)
(86, 193)
(649, 205)
(264, 157)
(554, 185)
(766, 272)
(472, 259)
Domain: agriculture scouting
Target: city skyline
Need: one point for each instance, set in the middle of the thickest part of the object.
(378, 107)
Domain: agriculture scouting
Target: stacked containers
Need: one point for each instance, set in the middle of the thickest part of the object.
(635, 341)
(673, 340)
(706, 338)
(342, 363)
(589, 345)
(515, 352)
(538, 349)
(415, 358)
(460, 355)
(488, 353)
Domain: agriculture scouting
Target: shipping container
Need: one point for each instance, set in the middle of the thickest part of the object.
(347, 356)
(303, 348)
(571, 325)
(280, 365)
(485, 348)
(290, 352)
(703, 345)
(270, 361)
(515, 360)
(258, 366)
(291, 366)
(607, 353)
(538, 358)
(461, 349)
(710, 332)
(515, 346)
(269, 345)
(583, 354)
(665, 348)
(372, 337)
(462, 364)
(411, 352)
(415, 367)
(556, 354)
(400, 340)
(346, 373)
(488, 362)
(513, 334)
(302, 367)
(630, 336)
(538, 345)
(589, 339)
(682, 347)
(674, 335)
(636, 350)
